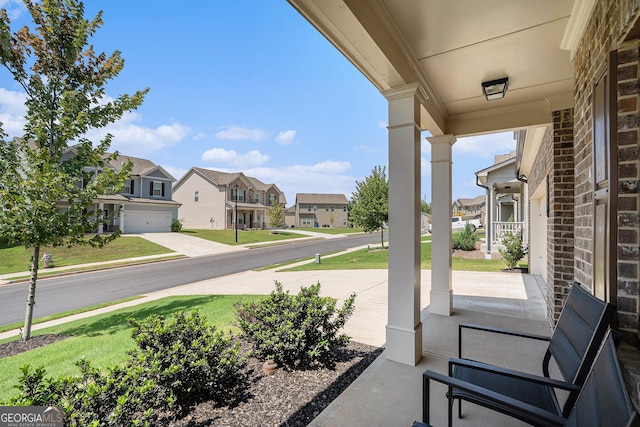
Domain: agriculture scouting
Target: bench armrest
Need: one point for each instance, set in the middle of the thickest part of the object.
(543, 418)
(495, 331)
(510, 373)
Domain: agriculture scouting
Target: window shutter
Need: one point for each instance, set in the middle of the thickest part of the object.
(151, 188)
(163, 189)
(131, 187)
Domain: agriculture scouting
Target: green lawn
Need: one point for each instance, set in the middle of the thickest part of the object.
(105, 339)
(365, 259)
(228, 237)
(330, 230)
(17, 258)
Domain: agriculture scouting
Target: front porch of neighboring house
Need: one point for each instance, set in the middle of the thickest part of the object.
(509, 219)
(108, 218)
(249, 216)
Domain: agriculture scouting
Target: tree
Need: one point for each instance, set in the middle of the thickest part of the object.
(425, 207)
(42, 202)
(370, 202)
(276, 216)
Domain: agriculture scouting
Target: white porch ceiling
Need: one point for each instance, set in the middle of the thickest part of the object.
(451, 46)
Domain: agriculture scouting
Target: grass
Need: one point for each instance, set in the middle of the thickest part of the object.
(17, 258)
(105, 339)
(228, 237)
(5, 328)
(379, 259)
(331, 230)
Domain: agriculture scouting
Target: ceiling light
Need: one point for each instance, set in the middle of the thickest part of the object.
(495, 89)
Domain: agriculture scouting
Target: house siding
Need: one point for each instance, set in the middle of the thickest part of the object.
(209, 211)
(609, 23)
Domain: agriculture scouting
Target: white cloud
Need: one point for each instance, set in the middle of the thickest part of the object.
(382, 125)
(232, 158)
(238, 133)
(12, 112)
(219, 155)
(199, 135)
(486, 145)
(135, 140)
(286, 137)
(129, 137)
(175, 171)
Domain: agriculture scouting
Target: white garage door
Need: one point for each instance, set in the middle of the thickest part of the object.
(146, 221)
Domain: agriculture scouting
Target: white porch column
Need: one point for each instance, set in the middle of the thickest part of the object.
(491, 217)
(404, 329)
(441, 193)
(121, 214)
(101, 218)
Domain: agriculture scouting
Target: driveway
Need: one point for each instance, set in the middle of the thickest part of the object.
(187, 245)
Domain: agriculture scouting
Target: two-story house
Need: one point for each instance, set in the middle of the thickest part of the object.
(210, 200)
(145, 205)
(470, 208)
(320, 210)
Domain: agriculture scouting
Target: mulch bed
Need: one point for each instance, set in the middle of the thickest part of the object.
(285, 398)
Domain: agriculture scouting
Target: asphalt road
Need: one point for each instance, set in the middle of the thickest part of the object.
(59, 294)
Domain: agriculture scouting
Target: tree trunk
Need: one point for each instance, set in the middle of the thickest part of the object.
(382, 236)
(31, 296)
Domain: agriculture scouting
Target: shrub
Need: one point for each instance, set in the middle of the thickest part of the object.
(190, 359)
(513, 251)
(119, 397)
(175, 366)
(466, 239)
(176, 225)
(296, 331)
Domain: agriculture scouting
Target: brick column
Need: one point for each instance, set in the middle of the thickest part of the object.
(560, 248)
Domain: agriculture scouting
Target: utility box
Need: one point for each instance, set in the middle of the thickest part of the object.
(317, 258)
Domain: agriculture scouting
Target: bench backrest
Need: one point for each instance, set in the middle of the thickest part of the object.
(578, 334)
(603, 400)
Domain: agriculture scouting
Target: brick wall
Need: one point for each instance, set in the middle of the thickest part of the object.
(628, 240)
(610, 21)
(560, 250)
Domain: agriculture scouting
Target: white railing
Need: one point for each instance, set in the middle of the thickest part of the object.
(502, 228)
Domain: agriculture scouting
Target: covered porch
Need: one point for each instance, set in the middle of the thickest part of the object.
(389, 393)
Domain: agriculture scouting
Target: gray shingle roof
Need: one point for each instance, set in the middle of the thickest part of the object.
(323, 199)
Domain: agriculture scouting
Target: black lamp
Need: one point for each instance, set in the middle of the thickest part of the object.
(495, 89)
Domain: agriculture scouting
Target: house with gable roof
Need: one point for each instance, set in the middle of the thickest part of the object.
(209, 199)
(144, 206)
(320, 210)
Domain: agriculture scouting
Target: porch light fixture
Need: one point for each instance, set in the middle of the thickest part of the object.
(495, 89)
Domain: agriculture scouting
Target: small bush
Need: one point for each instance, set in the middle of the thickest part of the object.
(466, 239)
(175, 366)
(190, 359)
(296, 331)
(513, 251)
(176, 225)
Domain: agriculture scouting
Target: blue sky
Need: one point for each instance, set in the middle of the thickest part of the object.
(246, 86)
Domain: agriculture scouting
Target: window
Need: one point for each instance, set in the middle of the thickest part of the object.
(157, 189)
(306, 221)
(256, 197)
(128, 187)
(309, 208)
(344, 222)
(344, 209)
(196, 196)
(237, 195)
(272, 199)
(326, 209)
(331, 208)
